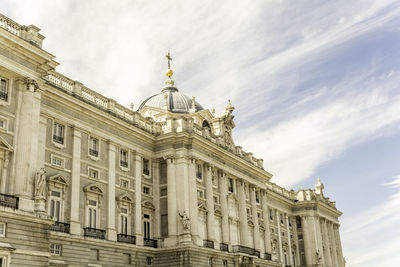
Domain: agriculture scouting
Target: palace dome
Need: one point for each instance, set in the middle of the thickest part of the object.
(172, 100)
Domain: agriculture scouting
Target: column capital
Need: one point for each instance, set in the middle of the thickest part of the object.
(169, 158)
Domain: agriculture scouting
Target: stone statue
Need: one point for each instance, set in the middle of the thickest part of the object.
(40, 183)
(318, 256)
(185, 220)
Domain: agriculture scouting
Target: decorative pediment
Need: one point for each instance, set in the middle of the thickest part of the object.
(93, 188)
(58, 179)
(5, 146)
(202, 206)
(125, 198)
(217, 211)
(148, 205)
(262, 228)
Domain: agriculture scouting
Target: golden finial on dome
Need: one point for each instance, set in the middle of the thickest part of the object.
(169, 72)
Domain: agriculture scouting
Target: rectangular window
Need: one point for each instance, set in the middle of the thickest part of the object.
(200, 193)
(57, 161)
(94, 147)
(93, 173)
(146, 167)
(55, 249)
(2, 229)
(146, 190)
(146, 227)
(216, 199)
(225, 263)
(94, 254)
(271, 214)
(257, 197)
(210, 262)
(127, 258)
(123, 156)
(3, 90)
(3, 124)
(199, 171)
(124, 183)
(230, 185)
(124, 223)
(58, 133)
(149, 261)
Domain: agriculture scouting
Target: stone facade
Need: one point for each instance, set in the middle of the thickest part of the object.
(85, 181)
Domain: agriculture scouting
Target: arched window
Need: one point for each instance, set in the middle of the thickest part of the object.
(206, 124)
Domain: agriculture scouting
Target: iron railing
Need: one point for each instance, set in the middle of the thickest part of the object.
(93, 152)
(3, 95)
(267, 256)
(58, 139)
(146, 171)
(223, 247)
(130, 239)
(208, 244)
(246, 250)
(9, 201)
(150, 242)
(60, 227)
(95, 233)
(123, 163)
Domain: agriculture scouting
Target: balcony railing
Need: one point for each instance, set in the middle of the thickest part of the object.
(223, 247)
(208, 244)
(93, 152)
(267, 256)
(246, 250)
(146, 171)
(130, 239)
(60, 227)
(3, 96)
(58, 139)
(150, 242)
(123, 163)
(9, 201)
(95, 233)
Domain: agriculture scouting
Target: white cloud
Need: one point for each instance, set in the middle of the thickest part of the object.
(372, 237)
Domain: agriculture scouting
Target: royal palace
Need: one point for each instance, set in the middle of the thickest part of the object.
(85, 181)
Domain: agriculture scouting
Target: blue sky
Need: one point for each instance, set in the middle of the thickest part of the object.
(315, 85)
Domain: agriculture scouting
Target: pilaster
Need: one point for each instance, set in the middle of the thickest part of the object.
(244, 227)
(75, 224)
(338, 245)
(224, 206)
(138, 200)
(156, 198)
(289, 240)
(171, 198)
(267, 235)
(327, 252)
(332, 241)
(210, 204)
(193, 205)
(182, 194)
(111, 232)
(279, 237)
(256, 236)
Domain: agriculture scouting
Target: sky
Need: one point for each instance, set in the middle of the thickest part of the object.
(315, 84)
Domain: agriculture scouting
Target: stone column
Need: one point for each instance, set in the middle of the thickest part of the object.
(223, 187)
(338, 246)
(25, 155)
(111, 232)
(193, 205)
(278, 221)
(138, 200)
(244, 227)
(318, 240)
(256, 236)
(296, 240)
(267, 236)
(75, 224)
(332, 241)
(156, 198)
(171, 198)
(327, 254)
(210, 204)
(308, 249)
(289, 241)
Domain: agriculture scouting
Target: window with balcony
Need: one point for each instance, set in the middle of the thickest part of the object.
(58, 133)
(55, 205)
(94, 147)
(124, 221)
(93, 211)
(3, 90)
(55, 249)
(146, 227)
(123, 158)
(146, 167)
